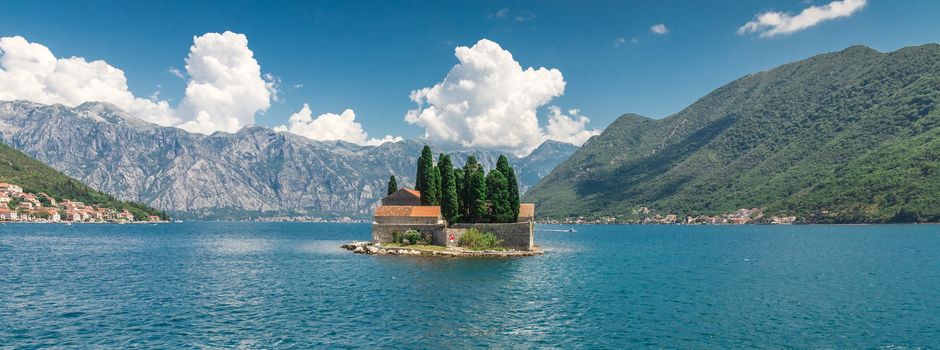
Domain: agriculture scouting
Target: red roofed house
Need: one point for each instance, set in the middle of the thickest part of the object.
(11, 188)
(8, 215)
(125, 216)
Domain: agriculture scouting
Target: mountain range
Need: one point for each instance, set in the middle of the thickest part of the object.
(849, 136)
(253, 172)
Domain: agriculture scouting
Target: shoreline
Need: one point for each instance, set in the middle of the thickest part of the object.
(372, 248)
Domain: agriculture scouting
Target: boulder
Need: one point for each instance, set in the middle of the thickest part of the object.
(359, 250)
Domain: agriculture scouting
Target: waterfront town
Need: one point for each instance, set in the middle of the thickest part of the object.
(645, 215)
(17, 205)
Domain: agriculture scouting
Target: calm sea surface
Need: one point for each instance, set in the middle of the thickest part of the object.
(289, 285)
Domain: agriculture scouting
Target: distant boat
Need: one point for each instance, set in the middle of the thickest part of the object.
(571, 230)
(179, 221)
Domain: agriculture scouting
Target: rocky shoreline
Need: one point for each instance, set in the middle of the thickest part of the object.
(371, 248)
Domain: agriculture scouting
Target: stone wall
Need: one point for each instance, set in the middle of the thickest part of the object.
(382, 233)
(442, 237)
(518, 235)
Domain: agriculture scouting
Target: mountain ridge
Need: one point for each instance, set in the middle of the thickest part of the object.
(771, 139)
(252, 172)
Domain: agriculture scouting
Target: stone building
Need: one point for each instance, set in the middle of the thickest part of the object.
(403, 197)
(526, 212)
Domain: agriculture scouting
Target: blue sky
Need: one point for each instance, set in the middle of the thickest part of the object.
(369, 55)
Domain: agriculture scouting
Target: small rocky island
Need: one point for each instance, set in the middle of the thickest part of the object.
(453, 212)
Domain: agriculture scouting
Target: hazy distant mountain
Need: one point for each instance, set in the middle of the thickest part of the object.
(855, 134)
(254, 171)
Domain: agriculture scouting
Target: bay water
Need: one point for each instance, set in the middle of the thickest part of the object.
(289, 285)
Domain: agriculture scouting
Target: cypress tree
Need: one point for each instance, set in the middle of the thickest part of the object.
(502, 164)
(449, 207)
(435, 190)
(392, 184)
(476, 196)
(498, 195)
(424, 178)
(461, 185)
(468, 169)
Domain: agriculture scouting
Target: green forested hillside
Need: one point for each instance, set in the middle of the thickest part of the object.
(854, 133)
(36, 177)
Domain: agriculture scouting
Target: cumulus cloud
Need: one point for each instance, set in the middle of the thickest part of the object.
(770, 24)
(225, 89)
(224, 92)
(330, 127)
(29, 71)
(487, 101)
(571, 128)
(659, 29)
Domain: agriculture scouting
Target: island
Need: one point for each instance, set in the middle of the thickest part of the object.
(453, 212)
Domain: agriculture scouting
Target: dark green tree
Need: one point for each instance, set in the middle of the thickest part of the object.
(449, 206)
(435, 188)
(424, 178)
(498, 198)
(469, 167)
(461, 185)
(392, 184)
(502, 164)
(476, 196)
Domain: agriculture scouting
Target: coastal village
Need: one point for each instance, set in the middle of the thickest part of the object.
(17, 205)
(645, 215)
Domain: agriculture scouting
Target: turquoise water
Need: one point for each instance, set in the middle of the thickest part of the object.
(276, 285)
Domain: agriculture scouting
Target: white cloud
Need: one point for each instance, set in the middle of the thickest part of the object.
(329, 127)
(619, 41)
(770, 24)
(525, 16)
(176, 72)
(224, 92)
(225, 89)
(568, 128)
(500, 13)
(487, 101)
(29, 71)
(659, 29)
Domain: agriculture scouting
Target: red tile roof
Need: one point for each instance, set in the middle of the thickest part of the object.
(409, 211)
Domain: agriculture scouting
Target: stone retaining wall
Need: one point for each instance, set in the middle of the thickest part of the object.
(382, 233)
(518, 235)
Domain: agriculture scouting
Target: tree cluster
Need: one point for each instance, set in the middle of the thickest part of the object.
(468, 194)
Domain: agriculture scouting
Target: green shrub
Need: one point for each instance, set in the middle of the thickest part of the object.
(411, 236)
(475, 239)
